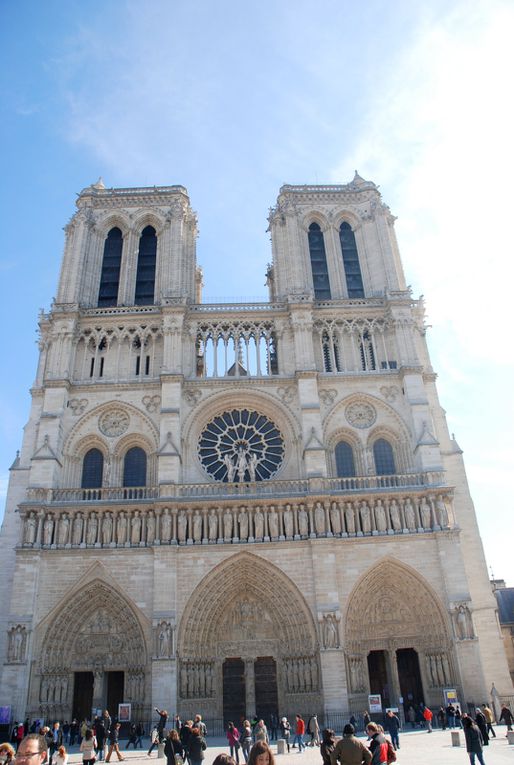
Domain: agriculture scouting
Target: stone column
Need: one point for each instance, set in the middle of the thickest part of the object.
(250, 687)
(395, 677)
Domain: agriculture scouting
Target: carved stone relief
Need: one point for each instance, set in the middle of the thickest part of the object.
(329, 628)
(114, 422)
(360, 414)
(151, 403)
(17, 638)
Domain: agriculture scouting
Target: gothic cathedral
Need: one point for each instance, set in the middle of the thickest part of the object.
(239, 508)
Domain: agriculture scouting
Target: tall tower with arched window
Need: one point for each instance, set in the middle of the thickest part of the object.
(241, 508)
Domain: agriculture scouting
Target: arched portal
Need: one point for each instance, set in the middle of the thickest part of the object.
(397, 639)
(248, 629)
(93, 655)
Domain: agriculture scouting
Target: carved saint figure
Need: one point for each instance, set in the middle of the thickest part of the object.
(213, 525)
(303, 521)
(335, 518)
(107, 529)
(122, 529)
(424, 509)
(30, 529)
(380, 516)
(349, 518)
(231, 469)
(273, 523)
(227, 524)
(92, 529)
(442, 512)
(252, 465)
(365, 518)
(319, 518)
(165, 526)
(182, 526)
(241, 465)
(164, 640)
(208, 680)
(258, 521)
(63, 529)
(330, 631)
(150, 528)
(135, 523)
(410, 518)
(463, 623)
(78, 525)
(197, 526)
(48, 530)
(16, 643)
(243, 524)
(288, 521)
(394, 512)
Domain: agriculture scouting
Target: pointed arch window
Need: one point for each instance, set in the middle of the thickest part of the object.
(318, 263)
(345, 463)
(134, 467)
(146, 260)
(92, 469)
(384, 457)
(111, 264)
(351, 264)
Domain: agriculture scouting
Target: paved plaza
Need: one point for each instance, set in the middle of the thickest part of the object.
(417, 748)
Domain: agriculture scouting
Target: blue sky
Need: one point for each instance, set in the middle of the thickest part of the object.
(231, 99)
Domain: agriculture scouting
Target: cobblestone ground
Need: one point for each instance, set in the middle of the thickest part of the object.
(416, 748)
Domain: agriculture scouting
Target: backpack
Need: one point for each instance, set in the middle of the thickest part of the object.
(391, 754)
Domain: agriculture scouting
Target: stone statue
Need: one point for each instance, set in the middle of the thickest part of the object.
(16, 648)
(150, 528)
(303, 521)
(349, 518)
(410, 518)
(213, 525)
(64, 688)
(78, 525)
(296, 677)
(241, 465)
(365, 518)
(122, 529)
(197, 526)
(208, 680)
(48, 530)
(442, 512)
(243, 524)
(164, 640)
(135, 523)
(290, 677)
(165, 526)
(424, 509)
(463, 622)
(394, 512)
(314, 674)
(335, 518)
(107, 529)
(258, 521)
(182, 526)
(319, 518)
(227, 524)
(252, 465)
(288, 522)
(330, 632)
(356, 675)
(63, 529)
(30, 529)
(231, 469)
(273, 523)
(92, 529)
(380, 516)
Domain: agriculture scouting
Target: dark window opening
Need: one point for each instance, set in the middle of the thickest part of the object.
(147, 365)
(92, 367)
(384, 457)
(111, 264)
(138, 364)
(101, 373)
(319, 267)
(134, 467)
(351, 264)
(345, 464)
(92, 469)
(145, 277)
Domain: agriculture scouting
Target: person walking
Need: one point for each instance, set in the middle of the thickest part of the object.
(392, 725)
(132, 736)
(427, 715)
(349, 750)
(246, 739)
(313, 728)
(506, 715)
(233, 741)
(441, 718)
(473, 741)
(482, 725)
(260, 732)
(100, 737)
(299, 733)
(114, 743)
(154, 740)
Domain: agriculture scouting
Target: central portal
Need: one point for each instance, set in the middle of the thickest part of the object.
(266, 700)
(233, 691)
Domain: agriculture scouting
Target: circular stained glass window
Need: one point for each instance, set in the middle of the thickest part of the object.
(241, 445)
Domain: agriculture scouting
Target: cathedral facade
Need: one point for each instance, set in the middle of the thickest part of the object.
(239, 509)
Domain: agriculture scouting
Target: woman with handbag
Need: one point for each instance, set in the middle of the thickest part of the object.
(173, 749)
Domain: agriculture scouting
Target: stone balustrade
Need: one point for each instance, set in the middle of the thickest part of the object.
(119, 526)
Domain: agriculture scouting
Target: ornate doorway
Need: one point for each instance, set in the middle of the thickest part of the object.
(234, 694)
(409, 674)
(379, 674)
(82, 695)
(246, 607)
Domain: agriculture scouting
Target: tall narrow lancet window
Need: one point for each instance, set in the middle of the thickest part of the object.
(134, 467)
(384, 457)
(345, 464)
(145, 277)
(318, 263)
(351, 264)
(92, 469)
(110, 278)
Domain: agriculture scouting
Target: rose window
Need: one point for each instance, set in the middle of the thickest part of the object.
(241, 445)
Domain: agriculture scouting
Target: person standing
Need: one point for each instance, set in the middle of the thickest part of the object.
(366, 719)
(100, 737)
(87, 747)
(233, 741)
(140, 732)
(285, 731)
(246, 739)
(441, 718)
(173, 748)
(299, 733)
(56, 740)
(488, 714)
(473, 741)
(450, 715)
(392, 724)
(378, 745)
(313, 728)
(482, 726)
(132, 739)
(327, 746)
(349, 750)
(163, 719)
(260, 732)
(196, 747)
(198, 723)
